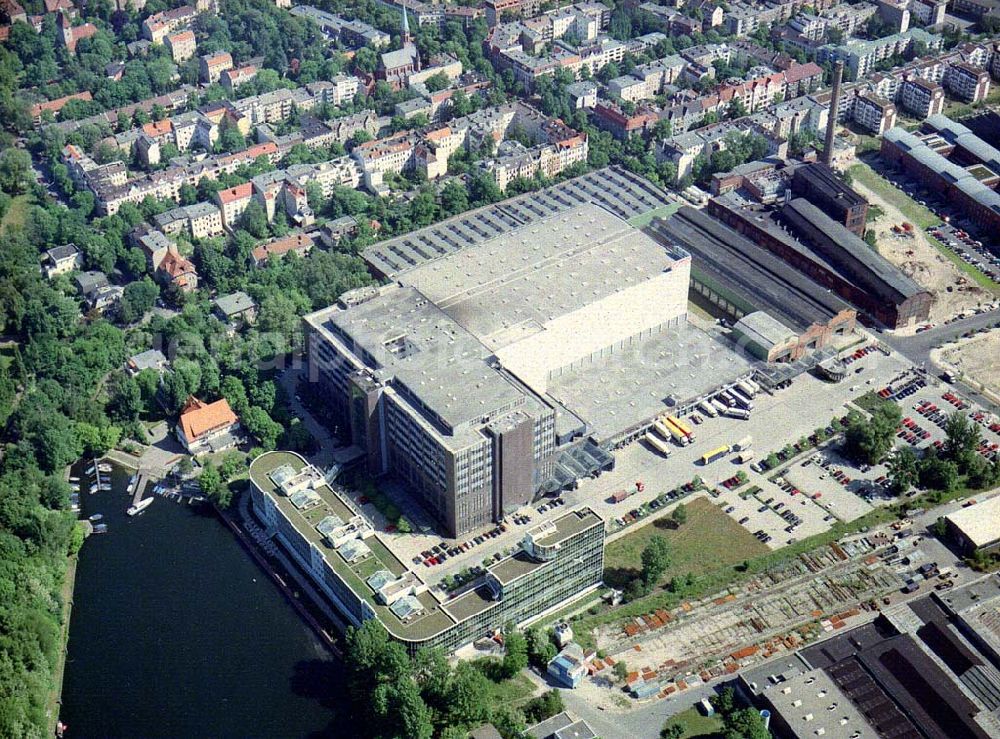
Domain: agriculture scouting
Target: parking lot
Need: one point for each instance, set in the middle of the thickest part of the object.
(773, 514)
(808, 495)
(970, 249)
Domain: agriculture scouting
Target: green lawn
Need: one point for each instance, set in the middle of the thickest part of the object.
(956, 109)
(665, 211)
(707, 541)
(917, 214)
(16, 213)
(511, 692)
(696, 725)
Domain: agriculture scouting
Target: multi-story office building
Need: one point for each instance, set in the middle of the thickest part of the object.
(358, 574)
(486, 361)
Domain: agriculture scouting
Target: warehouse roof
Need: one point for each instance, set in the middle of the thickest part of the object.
(511, 286)
(899, 686)
(764, 329)
(616, 190)
(962, 136)
(980, 523)
(821, 178)
(879, 276)
(759, 277)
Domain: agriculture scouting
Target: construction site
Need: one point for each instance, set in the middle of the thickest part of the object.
(975, 358)
(911, 251)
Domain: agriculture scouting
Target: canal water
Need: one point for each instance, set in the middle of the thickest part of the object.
(176, 632)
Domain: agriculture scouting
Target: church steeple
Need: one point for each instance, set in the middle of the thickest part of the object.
(406, 28)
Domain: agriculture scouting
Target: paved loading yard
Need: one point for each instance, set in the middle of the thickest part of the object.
(776, 420)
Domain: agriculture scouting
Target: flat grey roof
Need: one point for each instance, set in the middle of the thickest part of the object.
(812, 705)
(234, 303)
(508, 287)
(632, 385)
(979, 522)
(617, 190)
(764, 329)
(751, 271)
(430, 356)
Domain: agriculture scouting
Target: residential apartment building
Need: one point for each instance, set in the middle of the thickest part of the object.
(182, 45)
(921, 98)
(928, 12)
(159, 25)
(352, 33)
(967, 82)
(211, 66)
(861, 57)
(232, 79)
(232, 202)
(874, 113)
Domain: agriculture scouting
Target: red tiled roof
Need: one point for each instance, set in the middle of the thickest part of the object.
(181, 37)
(223, 57)
(56, 105)
(232, 194)
(158, 128)
(54, 6)
(280, 247)
(798, 72)
(199, 418)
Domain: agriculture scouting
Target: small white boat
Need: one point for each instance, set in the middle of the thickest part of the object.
(96, 517)
(135, 510)
(94, 488)
(104, 467)
(101, 528)
(74, 479)
(131, 484)
(91, 468)
(105, 486)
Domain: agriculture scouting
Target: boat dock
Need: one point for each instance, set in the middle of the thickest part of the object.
(140, 487)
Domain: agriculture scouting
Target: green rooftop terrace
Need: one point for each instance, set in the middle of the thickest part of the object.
(430, 623)
(436, 617)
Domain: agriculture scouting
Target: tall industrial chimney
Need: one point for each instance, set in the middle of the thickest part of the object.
(831, 125)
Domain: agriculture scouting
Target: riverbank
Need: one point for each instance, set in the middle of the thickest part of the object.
(175, 631)
(236, 524)
(55, 692)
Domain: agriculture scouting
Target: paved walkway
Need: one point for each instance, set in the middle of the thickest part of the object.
(323, 458)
